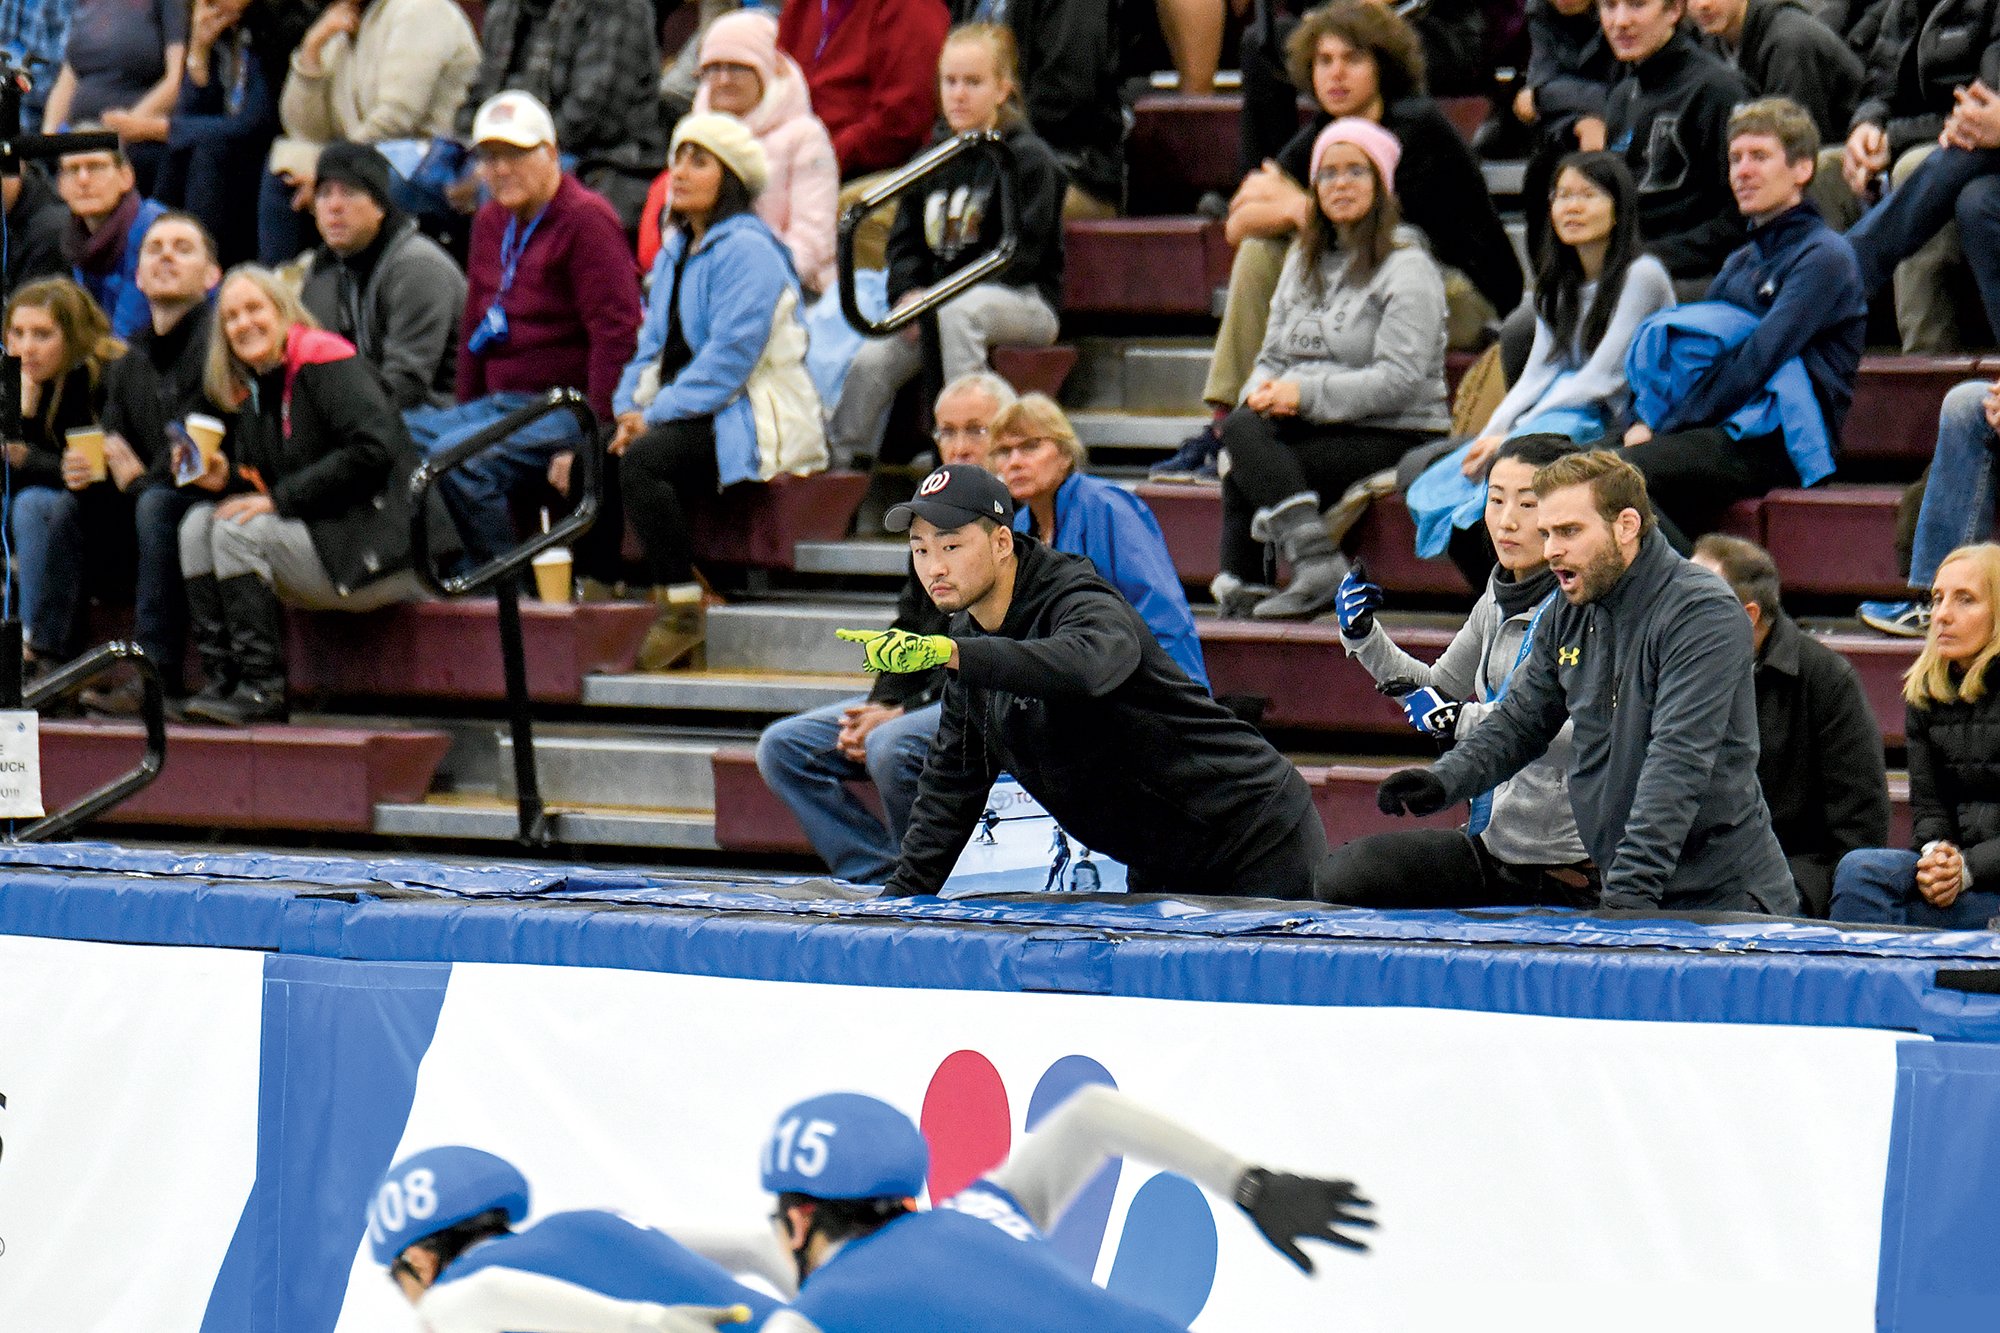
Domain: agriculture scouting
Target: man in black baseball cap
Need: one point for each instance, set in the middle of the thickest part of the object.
(1053, 677)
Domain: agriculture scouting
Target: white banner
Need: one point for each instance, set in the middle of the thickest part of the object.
(128, 1142)
(1530, 1173)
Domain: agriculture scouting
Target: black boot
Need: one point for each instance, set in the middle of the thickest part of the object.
(257, 647)
(210, 632)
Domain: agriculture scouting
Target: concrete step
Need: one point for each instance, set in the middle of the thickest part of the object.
(797, 639)
(489, 819)
(1139, 374)
(854, 558)
(1155, 432)
(632, 771)
(759, 693)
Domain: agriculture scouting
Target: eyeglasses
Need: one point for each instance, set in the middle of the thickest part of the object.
(1002, 452)
(727, 69)
(944, 433)
(1576, 197)
(1353, 171)
(88, 166)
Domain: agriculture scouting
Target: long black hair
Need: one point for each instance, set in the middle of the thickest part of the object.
(1559, 276)
(732, 196)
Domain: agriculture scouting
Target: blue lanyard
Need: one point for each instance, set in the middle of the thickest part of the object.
(1527, 646)
(510, 253)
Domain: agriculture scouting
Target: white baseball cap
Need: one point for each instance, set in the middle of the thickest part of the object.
(516, 118)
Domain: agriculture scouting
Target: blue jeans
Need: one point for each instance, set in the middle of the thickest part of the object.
(1958, 499)
(799, 762)
(476, 493)
(160, 604)
(1951, 185)
(283, 233)
(1878, 886)
(47, 533)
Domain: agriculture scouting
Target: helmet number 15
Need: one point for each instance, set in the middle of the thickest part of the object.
(411, 1199)
(802, 1148)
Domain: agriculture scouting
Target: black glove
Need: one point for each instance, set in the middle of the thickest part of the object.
(1288, 1209)
(1411, 791)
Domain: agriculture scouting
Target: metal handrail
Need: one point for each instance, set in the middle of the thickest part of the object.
(152, 711)
(588, 488)
(501, 573)
(913, 173)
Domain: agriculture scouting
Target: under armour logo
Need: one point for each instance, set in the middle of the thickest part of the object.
(935, 482)
(1569, 656)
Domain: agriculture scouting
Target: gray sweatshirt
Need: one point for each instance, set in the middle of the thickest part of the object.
(1598, 379)
(1532, 824)
(1365, 353)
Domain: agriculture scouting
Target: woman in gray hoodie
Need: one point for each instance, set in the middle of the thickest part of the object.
(1521, 845)
(1351, 377)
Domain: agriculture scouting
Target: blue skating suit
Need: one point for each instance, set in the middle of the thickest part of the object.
(599, 1252)
(976, 1264)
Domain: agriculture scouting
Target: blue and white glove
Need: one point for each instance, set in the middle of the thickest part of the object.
(1355, 605)
(1431, 713)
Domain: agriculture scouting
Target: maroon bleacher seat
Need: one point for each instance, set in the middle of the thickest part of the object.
(749, 817)
(1835, 539)
(1893, 422)
(1186, 146)
(1035, 369)
(759, 524)
(1144, 266)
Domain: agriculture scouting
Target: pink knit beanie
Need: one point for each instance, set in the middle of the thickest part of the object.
(1380, 146)
(746, 37)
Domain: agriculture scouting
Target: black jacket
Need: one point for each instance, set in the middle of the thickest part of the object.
(1785, 52)
(1076, 698)
(1442, 192)
(957, 221)
(1669, 116)
(1955, 781)
(1070, 82)
(917, 613)
(1655, 677)
(1820, 749)
(158, 381)
(35, 227)
(72, 405)
(1923, 50)
(1570, 66)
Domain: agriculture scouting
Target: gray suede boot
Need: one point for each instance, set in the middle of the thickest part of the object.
(1295, 527)
(1234, 599)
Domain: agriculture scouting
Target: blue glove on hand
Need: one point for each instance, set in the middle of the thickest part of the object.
(1430, 712)
(1355, 604)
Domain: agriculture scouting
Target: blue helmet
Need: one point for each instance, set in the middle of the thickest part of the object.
(843, 1145)
(438, 1188)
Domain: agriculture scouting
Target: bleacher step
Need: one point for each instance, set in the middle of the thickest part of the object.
(794, 639)
(616, 771)
(767, 694)
(488, 819)
(1139, 374)
(1111, 432)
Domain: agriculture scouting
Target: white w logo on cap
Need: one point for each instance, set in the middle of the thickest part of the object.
(935, 482)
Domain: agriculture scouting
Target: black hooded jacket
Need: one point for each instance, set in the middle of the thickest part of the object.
(1075, 697)
(1783, 51)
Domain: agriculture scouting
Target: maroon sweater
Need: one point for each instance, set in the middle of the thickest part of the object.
(573, 312)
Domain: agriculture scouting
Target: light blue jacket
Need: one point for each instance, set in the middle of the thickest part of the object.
(1115, 531)
(737, 284)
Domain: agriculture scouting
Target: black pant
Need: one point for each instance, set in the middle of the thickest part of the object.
(1274, 458)
(1289, 870)
(665, 473)
(1445, 868)
(1693, 476)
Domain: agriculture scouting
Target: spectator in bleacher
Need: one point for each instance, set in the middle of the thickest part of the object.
(36, 218)
(1521, 845)
(108, 217)
(744, 74)
(717, 392)
(1069, 86)
(1781, 50)
(313, 506)
(552, 301)
(1350, 378)
(1570, 73)
(1951, 881)
(1036, 453)
(65, 344)
(224, 119)
(954, 222)
(1358, 59)
(1819, 748)
(1932, 69)
(121, 69)
(1956, 508)
(388, 72)
(1053, 677)
(1650, 661)
(1668, 117)
(595, 64)
(149, 392)
(379, 282)
(1749, 420)
(808, 759)
(871, 66)
(34, 31)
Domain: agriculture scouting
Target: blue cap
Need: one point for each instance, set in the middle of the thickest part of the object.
(438, 1188)
(843, 1145)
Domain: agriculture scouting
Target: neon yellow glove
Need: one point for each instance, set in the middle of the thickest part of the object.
(898, 651)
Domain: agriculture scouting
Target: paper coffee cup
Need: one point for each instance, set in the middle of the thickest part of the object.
(206, 432)
(89, 441)
(552, 574)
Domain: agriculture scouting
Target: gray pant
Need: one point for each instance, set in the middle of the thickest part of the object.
(990, 313)
(280, 552)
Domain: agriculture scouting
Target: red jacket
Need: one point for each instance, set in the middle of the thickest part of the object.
(573, 313)
(873, 76)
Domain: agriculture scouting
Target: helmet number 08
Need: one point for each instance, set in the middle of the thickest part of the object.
(411, 1199)
(802, 1149)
